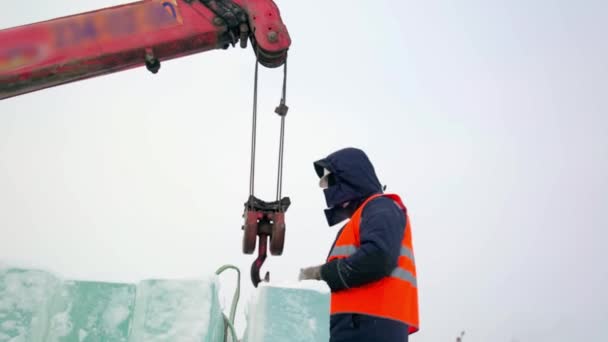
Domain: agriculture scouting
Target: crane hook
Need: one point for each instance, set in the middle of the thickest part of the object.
(257, 263)
(264, 222)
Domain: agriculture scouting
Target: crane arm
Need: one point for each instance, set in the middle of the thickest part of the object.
(113, 39)
(77, 47)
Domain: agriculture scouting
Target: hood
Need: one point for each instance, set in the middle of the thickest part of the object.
(354, 179)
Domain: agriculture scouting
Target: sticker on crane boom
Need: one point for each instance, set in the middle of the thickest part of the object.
(43, 40)
(120, 22)
(18, 56)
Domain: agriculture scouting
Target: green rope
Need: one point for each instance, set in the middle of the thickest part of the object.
(231, 327)
(235, 300)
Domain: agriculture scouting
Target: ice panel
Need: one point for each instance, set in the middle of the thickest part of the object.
(296, 312)
(178, 310)
(24, 304)
(83, 311)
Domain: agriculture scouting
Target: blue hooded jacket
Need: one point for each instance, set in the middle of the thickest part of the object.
(352, 180)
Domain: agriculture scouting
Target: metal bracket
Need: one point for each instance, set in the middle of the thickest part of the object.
(152, 63)
(264, 222)
(281, 109)
(233, 16)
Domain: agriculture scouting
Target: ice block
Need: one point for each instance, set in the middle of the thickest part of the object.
(178, 310)
(24, 304)
(84, 311)
(295, 312)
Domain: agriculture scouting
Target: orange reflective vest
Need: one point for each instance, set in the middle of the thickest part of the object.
(393, 297)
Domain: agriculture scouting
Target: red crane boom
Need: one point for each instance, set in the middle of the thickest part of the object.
(77, 47)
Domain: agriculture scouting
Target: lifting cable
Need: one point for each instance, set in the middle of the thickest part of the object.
(281, 110)
(264, 220)
(253, 129)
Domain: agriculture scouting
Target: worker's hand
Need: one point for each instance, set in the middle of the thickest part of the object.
(310, 273)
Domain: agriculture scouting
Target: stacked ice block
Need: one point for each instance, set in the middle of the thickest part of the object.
(24, 304)
(36, 306)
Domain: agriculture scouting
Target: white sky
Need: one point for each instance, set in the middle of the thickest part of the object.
(488, 117)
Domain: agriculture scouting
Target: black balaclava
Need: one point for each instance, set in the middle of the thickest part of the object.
(352, 180)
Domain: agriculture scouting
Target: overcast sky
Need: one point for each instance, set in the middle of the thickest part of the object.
(489, 118)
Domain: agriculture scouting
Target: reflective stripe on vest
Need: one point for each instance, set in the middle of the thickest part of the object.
(405, 275)
(348, 250)
(343, 251)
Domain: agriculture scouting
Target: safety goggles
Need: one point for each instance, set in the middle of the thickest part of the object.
(327, 179)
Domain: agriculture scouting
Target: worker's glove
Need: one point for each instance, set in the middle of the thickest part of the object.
(310, 273)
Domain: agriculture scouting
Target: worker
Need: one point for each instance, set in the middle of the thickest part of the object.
(370, 268)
